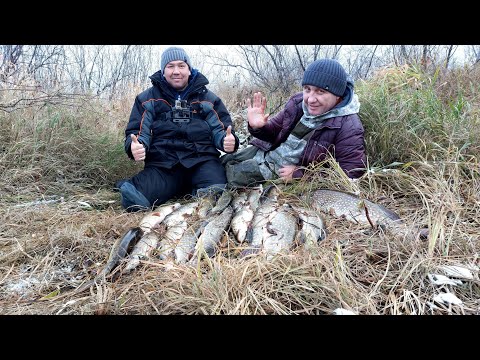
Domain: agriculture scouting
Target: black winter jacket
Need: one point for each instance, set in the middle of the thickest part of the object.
(167, 142)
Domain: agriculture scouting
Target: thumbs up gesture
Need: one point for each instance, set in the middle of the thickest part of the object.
(138, 150)
(229, 140)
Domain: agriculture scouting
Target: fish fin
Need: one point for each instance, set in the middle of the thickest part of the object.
(269, 191)
(323, 235)
(300, 238)
(249, 234)
(391, 214)
(138, 233)
(250, 251)
(270, 229)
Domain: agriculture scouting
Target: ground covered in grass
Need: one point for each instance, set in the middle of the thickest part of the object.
(60, 217)
(51, 246)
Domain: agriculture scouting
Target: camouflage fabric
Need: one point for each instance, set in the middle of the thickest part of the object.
(241, 169)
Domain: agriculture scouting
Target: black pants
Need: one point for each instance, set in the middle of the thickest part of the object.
(158, 185)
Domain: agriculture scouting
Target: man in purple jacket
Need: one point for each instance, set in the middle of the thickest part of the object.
(320, 121)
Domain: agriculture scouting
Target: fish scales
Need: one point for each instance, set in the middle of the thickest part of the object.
(151, 220)
(240, 222)
(243, 215)
(239, 200)
(205, 204)
(148, 242)
(181, 213)
(257, 229)
(312, 227)
(176, 224)
(261, 218)
(213, 233)
(221, 204)
(280, 231)
(352, 207)
(254, 195)
(170, 240)
(145, 247)
(264, 211)
(186, 245)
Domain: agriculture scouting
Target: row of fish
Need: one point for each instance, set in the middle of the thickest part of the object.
(256, 217)
(277, 227)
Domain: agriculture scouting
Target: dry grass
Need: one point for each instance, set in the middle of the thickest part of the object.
(59, 220)
(48, 250)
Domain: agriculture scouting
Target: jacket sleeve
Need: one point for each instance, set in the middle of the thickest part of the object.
(297, 174)
(350, 147)
(217, 127)
(134, 123)
(145, 135)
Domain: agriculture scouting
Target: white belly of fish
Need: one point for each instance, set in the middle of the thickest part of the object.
(150, 238)
(240, 222)
(261, 218)
(280, 232)
(176, 224)
(142, 250)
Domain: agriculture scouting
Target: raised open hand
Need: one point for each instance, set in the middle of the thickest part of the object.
(256, 113)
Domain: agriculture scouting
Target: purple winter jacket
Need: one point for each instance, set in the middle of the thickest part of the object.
(342, 136)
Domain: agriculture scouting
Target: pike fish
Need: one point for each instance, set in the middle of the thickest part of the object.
(119, 250)
(148, 242)
(185, 247)
(254, 197)
(213, 203)
(212, 234)
(144, 248)
(176, 224)
(208, 206)
(354, 209)
(312, 227)
(350, 206)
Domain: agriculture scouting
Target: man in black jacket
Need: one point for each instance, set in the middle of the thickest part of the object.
(176, 127)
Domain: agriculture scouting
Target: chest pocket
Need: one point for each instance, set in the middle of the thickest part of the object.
(185, 121)
(198, 130)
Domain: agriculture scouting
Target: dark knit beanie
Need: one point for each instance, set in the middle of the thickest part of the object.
(174, 54)
(327, 74)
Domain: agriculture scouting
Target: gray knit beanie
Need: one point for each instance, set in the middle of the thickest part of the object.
(173, 54)
(327, 74)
